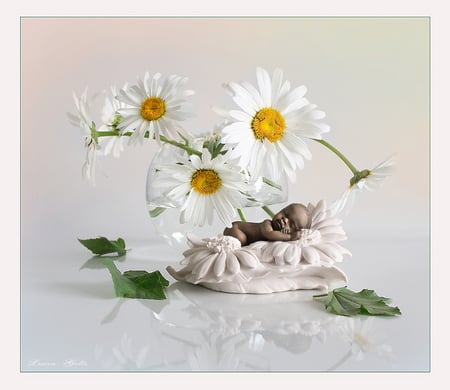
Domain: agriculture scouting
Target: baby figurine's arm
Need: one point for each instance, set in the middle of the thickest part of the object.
(274, 235)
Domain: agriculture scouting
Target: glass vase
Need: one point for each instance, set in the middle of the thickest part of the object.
(165, 213)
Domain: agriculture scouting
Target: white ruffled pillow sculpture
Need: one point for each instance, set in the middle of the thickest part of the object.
(220, 263)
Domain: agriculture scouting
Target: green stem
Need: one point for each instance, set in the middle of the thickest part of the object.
(242, 215)
(180, 145)
(111, 133)
(265, 208)
(268, 211)
(339, 154)
(341, 361)
(115, 133)
(272, 184)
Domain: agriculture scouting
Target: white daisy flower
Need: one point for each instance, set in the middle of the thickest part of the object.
(369, 180)
(220, 257)
(111, 119)
(204, 185)
(89, 166)
(317, 245)
(82, 120)
(154, 107)
(110, 112)
(114, 145)
(268, 133)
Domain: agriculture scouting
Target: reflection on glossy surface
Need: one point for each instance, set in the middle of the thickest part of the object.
(72, 321)
(197, 329)
(363, 338)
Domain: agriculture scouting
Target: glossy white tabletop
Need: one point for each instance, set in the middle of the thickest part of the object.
(72, 321)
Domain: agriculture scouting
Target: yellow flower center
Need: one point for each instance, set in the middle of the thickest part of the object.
(361, 340)
(206, 181)
(269, 124)
(153, 108)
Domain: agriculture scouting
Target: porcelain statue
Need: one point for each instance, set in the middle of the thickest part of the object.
(295, 250)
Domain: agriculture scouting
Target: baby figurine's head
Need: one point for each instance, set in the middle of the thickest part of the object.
(292, 218)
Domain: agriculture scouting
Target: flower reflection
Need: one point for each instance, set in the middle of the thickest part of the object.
(124, 355)
(217, 352)
(237, 332)
(200, 330)
(363, 337)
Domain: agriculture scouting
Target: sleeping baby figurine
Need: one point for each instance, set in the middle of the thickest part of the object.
(286, 225)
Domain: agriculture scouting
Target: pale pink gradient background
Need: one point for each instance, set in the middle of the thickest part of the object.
(370, 75)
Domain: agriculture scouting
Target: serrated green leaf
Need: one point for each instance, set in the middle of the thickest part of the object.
(343, 301)
(103, 246)
(137, 284)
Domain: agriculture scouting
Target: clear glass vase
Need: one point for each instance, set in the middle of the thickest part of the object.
(165, 213)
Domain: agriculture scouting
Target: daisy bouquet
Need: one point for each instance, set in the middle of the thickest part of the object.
(263, 140)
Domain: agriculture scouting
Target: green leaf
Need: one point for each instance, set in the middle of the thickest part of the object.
(343, 301)
(103, 246)
(137, 284)
(214, 146)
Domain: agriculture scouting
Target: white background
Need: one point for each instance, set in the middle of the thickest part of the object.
(61, 199)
